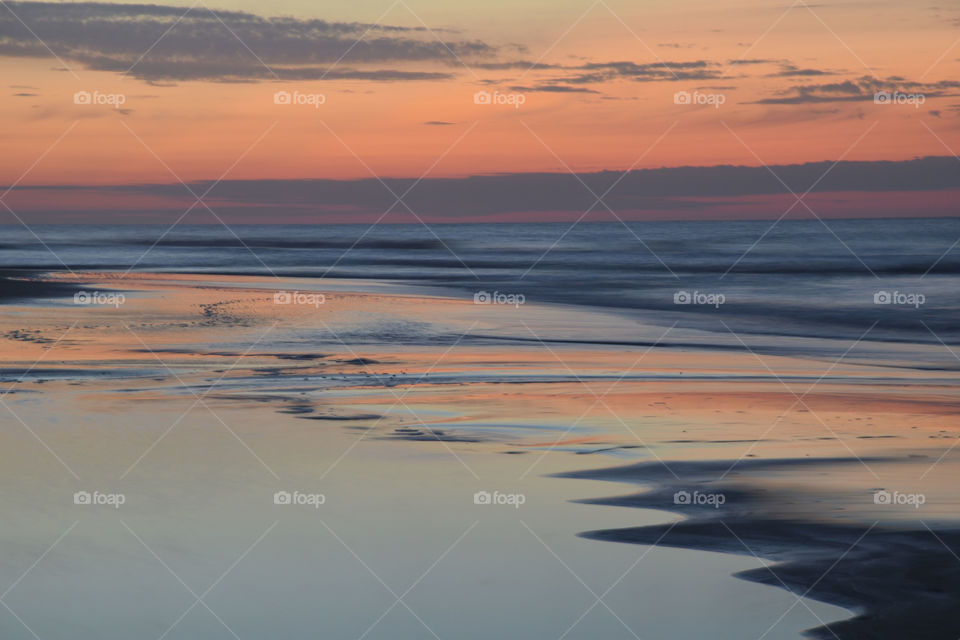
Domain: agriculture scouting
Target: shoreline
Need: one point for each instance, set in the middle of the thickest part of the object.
(624, 327)
(484, 384)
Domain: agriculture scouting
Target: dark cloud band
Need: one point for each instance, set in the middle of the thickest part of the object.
(491, 195)
(198, 44)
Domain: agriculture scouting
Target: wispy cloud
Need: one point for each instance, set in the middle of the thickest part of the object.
(788, 70)
(202, 45)
(859, 90)
(552, 88)
(647, 72)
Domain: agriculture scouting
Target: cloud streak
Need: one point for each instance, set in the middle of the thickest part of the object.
(859, 90)
(203, 45)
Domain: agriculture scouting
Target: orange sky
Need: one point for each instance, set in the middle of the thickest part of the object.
(190, 129)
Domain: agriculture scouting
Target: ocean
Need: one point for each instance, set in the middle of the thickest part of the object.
(834, 279)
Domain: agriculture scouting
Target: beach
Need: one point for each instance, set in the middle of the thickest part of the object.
(369, 432)
(432, 320)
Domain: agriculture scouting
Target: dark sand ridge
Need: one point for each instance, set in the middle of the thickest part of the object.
(902, 581)
(23, 284)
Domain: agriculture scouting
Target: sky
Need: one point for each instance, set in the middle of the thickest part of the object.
(499, 110)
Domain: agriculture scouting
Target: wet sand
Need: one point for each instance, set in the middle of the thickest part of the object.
(797, 446)
(25, 285)
(900, 575)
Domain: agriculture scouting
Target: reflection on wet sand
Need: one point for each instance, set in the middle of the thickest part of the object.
(798, 455)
